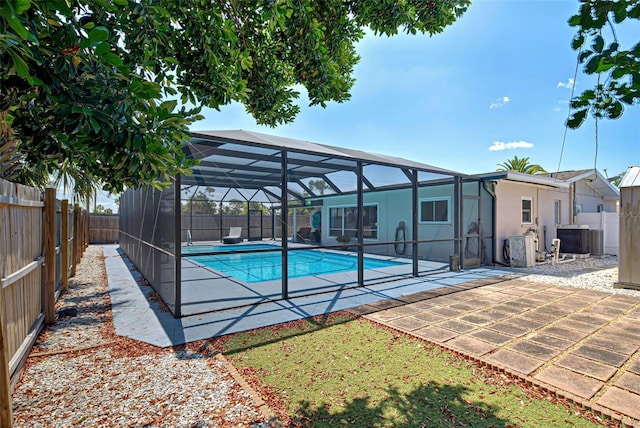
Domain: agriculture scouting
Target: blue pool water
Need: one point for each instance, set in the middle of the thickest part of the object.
(267, 266)
(217, 248)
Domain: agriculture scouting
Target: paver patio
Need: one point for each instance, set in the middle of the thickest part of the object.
(581, 344)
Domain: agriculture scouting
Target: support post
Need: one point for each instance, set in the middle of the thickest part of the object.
(76, 239)
(248, 221)
(64, 244)
(359, 233)
(49, 255)
(6, 411)
(177, 237)
(294, 236)
(274, 224)
(457, 215)
(85, 217)
(415, 231)
(84, 233)
(220, 222)
(285, 228)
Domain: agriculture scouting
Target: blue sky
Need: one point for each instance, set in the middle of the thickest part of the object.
(494, 85)
(496, 76)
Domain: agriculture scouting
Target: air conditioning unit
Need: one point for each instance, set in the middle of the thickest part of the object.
(596, 244)
(574, 238)
(522, 251)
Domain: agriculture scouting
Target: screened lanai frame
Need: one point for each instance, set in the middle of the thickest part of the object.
(275, 170)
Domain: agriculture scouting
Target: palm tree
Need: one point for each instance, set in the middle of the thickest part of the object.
(521, 165)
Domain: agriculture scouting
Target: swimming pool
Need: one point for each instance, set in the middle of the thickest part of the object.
(220, 248)
(267, 266)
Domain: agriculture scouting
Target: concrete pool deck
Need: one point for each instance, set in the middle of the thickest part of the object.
(138, 316)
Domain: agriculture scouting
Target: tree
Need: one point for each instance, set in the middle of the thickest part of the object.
(319, 185)
(618, 69)
(233, 207)
(520, 165)
(200, 202)
(91, 87)
(255, 206)
(82, 107)
(616, 179)
(100, 209)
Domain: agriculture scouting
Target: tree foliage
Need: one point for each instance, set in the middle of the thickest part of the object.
(255, 207)
(100, 209)
(234, 207)
(92, 87)
(318, 185)
(601, 52)
(520, 165)
(201, 202)
(616, 179)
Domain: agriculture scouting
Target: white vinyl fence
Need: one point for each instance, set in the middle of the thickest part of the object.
(608, 223)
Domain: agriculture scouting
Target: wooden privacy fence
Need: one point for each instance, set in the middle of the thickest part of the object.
(213, 227)
(41, 241)
(104, 228)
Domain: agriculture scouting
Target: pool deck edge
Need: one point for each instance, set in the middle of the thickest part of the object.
(138, 317)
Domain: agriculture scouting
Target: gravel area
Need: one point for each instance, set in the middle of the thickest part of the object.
(593, 273)
(81, 374)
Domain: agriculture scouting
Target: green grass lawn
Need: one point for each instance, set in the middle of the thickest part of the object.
(335, 371)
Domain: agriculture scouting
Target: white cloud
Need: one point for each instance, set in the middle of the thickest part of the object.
(562, 105)
(499, 102)
(500, 145)
(567, 85)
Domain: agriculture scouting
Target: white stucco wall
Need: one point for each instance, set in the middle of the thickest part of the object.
(508, 208)
(509, 211)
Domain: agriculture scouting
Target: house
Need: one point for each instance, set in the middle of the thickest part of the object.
(541, 203)
(492, 207)
(591, 191)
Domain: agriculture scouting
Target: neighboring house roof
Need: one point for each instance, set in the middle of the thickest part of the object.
(568, 175)
(631, 178)
(560, 179)
(593, 178)
(539, 179)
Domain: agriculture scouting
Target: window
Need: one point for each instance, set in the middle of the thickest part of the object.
(527, 204)
(434, 210)
(579, 209)
(600, 208)
(556, 212)
(344, 221)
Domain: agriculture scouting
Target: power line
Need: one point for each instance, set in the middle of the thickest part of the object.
(566, 126)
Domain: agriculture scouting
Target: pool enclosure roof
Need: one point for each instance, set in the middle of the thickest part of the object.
(253, 163)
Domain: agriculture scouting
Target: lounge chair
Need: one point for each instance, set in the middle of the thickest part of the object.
(234, 236)
(303, 234)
